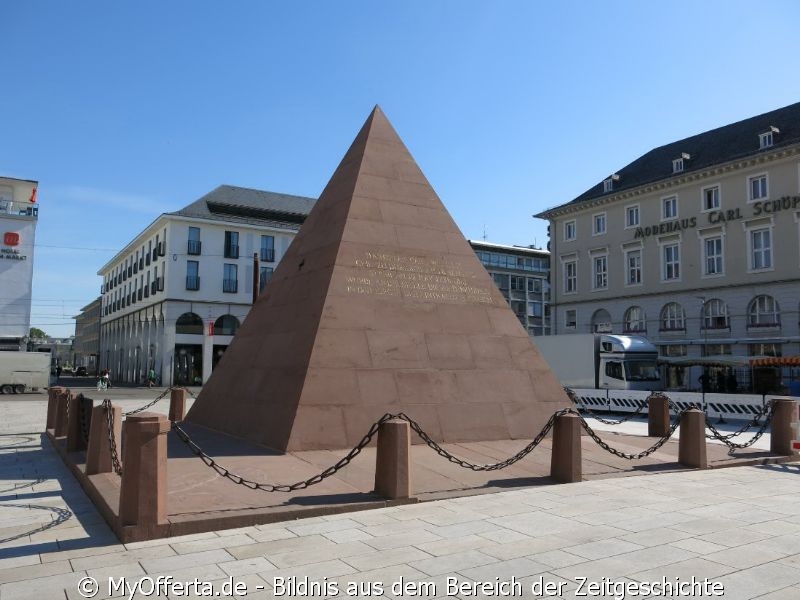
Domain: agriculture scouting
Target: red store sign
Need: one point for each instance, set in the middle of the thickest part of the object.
(11, 238)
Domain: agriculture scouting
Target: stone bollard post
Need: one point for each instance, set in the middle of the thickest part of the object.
(143, 491)
(98, 453)
(692, 442)
(52, 406)
(393, 460)
(658, 421)
(565, 459)
(177, 404)
(63, 398)
(784, 411)
(75, 442)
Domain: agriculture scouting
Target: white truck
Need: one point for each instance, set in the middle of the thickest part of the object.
(602, 361)
(24, 371)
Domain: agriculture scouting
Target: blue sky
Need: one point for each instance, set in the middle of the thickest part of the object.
(124, 110)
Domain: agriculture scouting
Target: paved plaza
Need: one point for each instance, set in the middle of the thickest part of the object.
(738, 527)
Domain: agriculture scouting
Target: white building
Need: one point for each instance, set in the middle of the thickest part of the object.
(175, 295)
(19, 214)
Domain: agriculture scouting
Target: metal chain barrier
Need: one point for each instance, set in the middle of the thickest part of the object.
(149, 404)
(733, 445)
(84, 418)
(643, 453)
(754, 422)
(271, 487)
(583, 408)
(478, 467)
(112, 442)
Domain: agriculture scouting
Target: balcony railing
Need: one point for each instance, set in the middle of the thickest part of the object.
(230, 286)
(194, 247)
(232, 251)
(193, 283)
(268, 254)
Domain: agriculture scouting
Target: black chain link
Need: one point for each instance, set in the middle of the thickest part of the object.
(85, 418)
(754, 422)
(149, 404)
(271, 487)
(112, 442)
(756, 436)
(478, 467)
(620, 453)
(583, 408)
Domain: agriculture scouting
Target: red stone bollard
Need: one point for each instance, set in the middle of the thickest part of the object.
(692, 442)
(143, 491)
(565, 457)
(52, 406)
(75, 441)
(62, 400)
(98, 453)
(393, 460)
(783, 413)
(177, 404)
(658, 421)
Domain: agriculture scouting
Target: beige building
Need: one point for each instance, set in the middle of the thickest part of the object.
(695, 245)
(87, 336)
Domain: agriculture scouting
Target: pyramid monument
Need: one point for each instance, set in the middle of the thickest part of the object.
(379, 305)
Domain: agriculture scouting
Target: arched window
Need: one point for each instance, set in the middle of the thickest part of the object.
(673, 317)
(634, 320)
(601, 321)
(189, 323)
(715, 314)
(226, 325)
(763, 311)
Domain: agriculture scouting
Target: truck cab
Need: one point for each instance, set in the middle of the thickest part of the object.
(627, 362)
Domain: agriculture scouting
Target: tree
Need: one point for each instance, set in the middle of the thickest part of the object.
(36, 334)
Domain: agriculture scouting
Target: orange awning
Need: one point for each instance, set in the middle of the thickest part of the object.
(776, 361)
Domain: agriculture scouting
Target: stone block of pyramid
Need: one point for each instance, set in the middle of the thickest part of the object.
(379, 305)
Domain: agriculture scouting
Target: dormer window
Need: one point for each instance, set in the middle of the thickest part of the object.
(608, 184)
(678, 163)
(766, 139)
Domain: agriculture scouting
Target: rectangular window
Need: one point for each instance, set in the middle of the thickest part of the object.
(711, 198)
(569, 231)
(268, 248)
(677, 165)
(632, 216)
(570, 277)
(672, 262)
(758, 187)
(230, 281)
(765, 140)
(608, 185)
(231, 244)
(713, 256)
(761, 249)
(192, 275)
(633, 260)
(669, 208)
(571, 318)
(600, 272)
(265, 275)
(193, 245)
(599, 224)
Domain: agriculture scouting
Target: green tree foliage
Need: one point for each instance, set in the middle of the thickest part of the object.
(36, 334)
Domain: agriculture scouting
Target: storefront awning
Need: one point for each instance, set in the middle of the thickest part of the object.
(775, 361)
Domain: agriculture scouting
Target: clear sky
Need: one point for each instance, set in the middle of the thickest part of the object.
(124, 110)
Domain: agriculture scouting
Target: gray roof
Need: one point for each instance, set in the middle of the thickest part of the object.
(721, 145)
(245, 205)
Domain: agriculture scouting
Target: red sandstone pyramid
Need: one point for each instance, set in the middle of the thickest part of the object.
(380, 305)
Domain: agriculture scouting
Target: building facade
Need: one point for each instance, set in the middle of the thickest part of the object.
(19, 214)
(695, 245)
(522, 276)
(87, 336)
(172, 299)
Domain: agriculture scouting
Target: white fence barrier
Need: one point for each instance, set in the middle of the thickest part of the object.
(729, 406)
